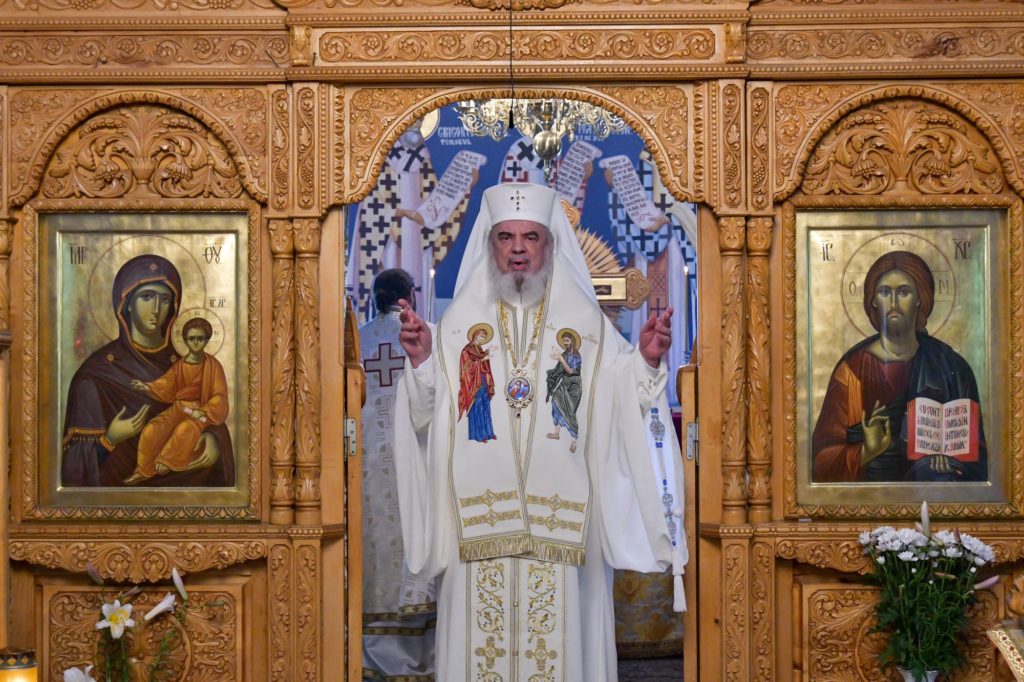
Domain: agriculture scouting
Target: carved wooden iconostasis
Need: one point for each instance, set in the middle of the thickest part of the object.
(241, 129)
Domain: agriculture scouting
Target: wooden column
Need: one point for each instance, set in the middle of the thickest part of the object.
(282, 370)
(731, 240)
(307, 370)
(758, 393)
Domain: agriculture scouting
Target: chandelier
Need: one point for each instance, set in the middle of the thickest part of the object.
(545, 121)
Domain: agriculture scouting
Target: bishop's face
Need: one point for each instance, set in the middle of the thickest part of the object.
(520, 246)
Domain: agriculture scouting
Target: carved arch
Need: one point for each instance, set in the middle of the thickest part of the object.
(986, 125)
(108, 102)
(374, 118)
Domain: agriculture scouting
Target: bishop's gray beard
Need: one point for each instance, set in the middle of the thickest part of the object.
(524, 288)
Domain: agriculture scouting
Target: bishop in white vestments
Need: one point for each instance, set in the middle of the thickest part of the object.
(398, 608)
(534, 454)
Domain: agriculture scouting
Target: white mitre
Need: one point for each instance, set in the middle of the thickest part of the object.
(523, 201)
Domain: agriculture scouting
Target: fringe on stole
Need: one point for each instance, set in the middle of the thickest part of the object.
(521, 544)
(490, 548)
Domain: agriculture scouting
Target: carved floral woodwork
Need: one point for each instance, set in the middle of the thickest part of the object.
(109, 52)
(347, 47)
(759, 162)
(41, 120)
(731, 238)
(6, 237)
(282, 370)
(758, 367)
(280, 145)
(141, 150)
(137, 562)
(305, 146)
(306, 232)
(279, 561)
(837, 636)
(903, 145)
(209, 633)
(762, 598)
(736, 601)
(859, 44)
(732, 147)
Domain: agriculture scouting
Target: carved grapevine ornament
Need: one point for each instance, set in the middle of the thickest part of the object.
(901, 146)
(142, 151)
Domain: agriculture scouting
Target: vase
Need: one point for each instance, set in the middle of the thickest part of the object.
(908, 676)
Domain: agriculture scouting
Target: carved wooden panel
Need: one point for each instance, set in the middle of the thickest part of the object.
(836, 619)
(903, 145)
(136, 561)
(210, 630)
(732, 241)
(735, 607)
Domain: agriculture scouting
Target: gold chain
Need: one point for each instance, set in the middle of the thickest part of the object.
(508, 337)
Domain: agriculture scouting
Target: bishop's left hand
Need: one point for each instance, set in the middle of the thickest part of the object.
(656, 337)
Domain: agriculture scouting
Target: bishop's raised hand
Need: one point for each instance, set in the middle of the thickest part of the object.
(415, 334)
(656, 337)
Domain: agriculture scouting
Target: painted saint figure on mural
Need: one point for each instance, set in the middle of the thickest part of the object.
(565, 387)
(862, 429)
(476, 384)
(106, 414)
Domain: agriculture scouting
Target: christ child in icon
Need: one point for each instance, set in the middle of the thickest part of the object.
(196, 389)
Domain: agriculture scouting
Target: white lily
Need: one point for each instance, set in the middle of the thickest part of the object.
(78, 675)
(178, 583)
(925, 519)
(117, 617)
(166, 604)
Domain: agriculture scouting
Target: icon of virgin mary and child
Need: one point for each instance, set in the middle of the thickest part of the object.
(136, 413)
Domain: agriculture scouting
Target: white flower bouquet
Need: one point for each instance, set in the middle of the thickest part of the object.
(927, 581)
(112, 651)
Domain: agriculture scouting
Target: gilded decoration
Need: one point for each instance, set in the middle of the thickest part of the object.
(839, 643)
(542, 601)
(136, 562)
(489, 619)
(42, 119)
(340, 47)
(903, 145)
(210, 632)
(106, 52)
(141, 150)
(168, 6)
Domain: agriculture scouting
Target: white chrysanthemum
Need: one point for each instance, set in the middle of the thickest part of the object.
(977, 547)
(880, 560)
(945, 537)
(865, 538)
(907, 555)
(953, 552)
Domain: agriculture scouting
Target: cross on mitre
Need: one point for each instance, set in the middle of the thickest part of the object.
(517, 198)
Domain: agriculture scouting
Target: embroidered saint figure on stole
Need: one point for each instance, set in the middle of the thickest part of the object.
(565, 388)
(476, 384)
